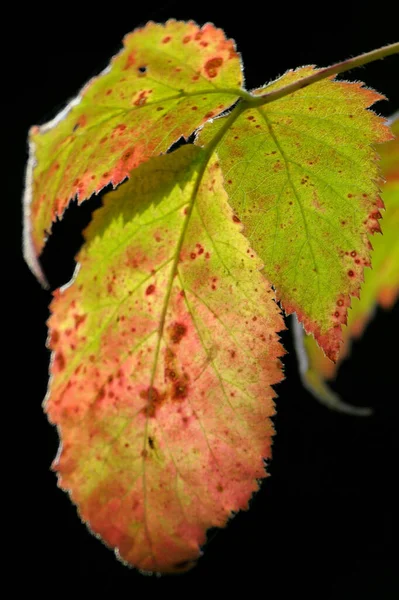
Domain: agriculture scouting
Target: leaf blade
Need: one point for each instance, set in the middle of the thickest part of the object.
(381, 285)
(213, 365)
(178, 74)
(298, 217)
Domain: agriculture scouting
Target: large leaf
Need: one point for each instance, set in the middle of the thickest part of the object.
(167, 80)
(303, 178)
(165, 350)
(381, 286)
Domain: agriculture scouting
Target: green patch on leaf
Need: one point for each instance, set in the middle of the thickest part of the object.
(381, 286)
(303, 178)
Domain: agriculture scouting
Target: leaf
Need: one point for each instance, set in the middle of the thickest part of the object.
(302, 177)
(161, 390)
(167, 81)
(381, 287)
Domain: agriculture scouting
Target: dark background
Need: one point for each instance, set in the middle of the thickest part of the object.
(323, 525)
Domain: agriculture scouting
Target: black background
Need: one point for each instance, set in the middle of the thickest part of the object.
(323, 525)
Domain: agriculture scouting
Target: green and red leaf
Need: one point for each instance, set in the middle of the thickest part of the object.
(302, 176)
(161, 390)
(166, 82)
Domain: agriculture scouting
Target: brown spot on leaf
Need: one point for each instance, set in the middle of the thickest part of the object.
(180, 388)
(130, 61)
(212, 65)
(153, 398)
(150, 290)
(79, 319)
(176, 332)
(60, 361)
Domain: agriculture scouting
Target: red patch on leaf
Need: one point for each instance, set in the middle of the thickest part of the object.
(212, 65)
(150, 290)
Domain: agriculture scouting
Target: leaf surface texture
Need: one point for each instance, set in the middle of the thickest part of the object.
(164, 353)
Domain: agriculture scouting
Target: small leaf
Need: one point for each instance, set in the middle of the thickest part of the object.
(302, 177)
(167, 81)
(381, 286)
(165, 350)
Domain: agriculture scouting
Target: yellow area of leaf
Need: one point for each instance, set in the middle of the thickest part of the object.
(381, 285)
(167, 81)
(164, 353)
(303, 177)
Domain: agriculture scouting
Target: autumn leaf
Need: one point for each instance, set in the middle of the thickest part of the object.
(165, 345)
(160, 388)
(301, 175)
(167, 81)
(381, 287)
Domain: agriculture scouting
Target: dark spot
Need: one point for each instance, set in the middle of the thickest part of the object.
(170, 374)
(151, 442)
(186, 39)
(166, 39)
(236, 219)
(79, 319)
(142, 69)
(177, 331)
(351, 273)
(150, 290)
(126, 155)
(193, 255)
(212, 65)
(180, 389)
(60, 361)
(353, 253)
(153, 398)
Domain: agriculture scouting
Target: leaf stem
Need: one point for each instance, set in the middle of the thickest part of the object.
(340, 67)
